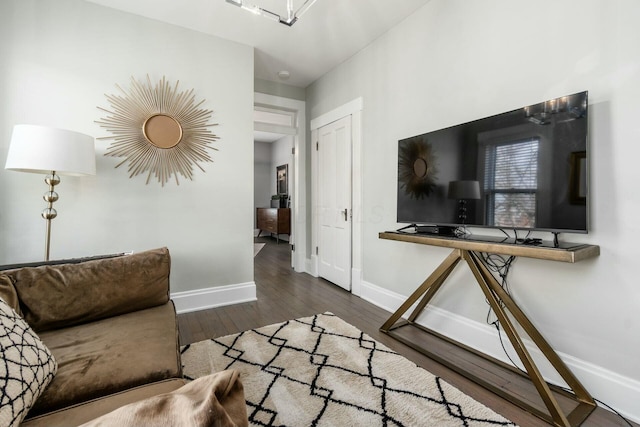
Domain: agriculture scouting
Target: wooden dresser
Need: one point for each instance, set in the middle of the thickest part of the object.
(274, 220)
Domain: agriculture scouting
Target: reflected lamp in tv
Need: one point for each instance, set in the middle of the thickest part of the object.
(463, 191)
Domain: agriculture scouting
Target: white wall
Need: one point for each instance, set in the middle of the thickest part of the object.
(58, 60)
(458, 60)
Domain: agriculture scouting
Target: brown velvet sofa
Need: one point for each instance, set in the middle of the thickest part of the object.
(111, 327)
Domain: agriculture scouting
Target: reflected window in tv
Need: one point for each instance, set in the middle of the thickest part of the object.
(511, 184)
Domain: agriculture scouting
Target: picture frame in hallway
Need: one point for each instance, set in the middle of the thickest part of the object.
(282, 179)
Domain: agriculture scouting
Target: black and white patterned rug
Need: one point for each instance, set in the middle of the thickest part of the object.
(322, 371)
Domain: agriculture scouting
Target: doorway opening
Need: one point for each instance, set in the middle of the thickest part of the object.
(279, 173)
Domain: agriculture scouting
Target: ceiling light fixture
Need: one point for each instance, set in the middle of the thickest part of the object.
(292, 15)
(284, 75)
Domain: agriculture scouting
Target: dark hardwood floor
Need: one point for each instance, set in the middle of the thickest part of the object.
(284, 294)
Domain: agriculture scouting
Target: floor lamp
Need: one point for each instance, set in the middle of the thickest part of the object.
(51, 151)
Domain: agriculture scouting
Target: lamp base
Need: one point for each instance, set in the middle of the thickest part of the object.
(49, 213)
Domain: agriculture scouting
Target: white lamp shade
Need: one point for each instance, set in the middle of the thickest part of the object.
(42, 149)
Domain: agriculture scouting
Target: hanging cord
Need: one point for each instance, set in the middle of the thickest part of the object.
(614, 411)
(462, 231)
(499, 265)
(600, 402)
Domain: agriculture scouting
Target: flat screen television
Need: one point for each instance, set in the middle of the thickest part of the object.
(525, 169)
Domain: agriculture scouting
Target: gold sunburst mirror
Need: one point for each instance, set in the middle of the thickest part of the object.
(158, 130)
(417, 171)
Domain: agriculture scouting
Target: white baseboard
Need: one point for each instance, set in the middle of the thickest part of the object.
(621, 393)
(311, 265)
(356, 281)
(217, 296)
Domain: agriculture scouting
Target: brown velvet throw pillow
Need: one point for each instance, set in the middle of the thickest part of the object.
(54, 296)
(214, 400)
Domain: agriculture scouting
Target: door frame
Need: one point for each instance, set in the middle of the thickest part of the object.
(353, 109)
(298, 178)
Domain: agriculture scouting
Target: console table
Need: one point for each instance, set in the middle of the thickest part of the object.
(501, 303)
(274, 220)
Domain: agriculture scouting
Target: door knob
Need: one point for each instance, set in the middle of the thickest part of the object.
(346, 213)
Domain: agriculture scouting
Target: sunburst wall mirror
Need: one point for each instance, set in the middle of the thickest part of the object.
(158, 130)
(417, 171)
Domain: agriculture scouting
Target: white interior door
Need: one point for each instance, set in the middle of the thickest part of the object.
(334, 198)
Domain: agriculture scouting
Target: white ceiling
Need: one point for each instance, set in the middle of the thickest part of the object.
(330, 32)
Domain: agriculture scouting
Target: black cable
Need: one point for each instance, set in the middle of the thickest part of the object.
(497, 325)
(598, 401)
(401, 230)
(461, 231)
(498, 264)
(614, 411)
(501, 266)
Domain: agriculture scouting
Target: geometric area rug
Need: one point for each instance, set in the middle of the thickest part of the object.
(322, 371)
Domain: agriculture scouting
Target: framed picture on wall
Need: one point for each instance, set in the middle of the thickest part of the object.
(282, 180)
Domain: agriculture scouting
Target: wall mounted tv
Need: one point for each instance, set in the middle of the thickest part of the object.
(521, 170)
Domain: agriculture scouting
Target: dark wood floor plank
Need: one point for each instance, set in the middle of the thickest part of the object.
(284, 294)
